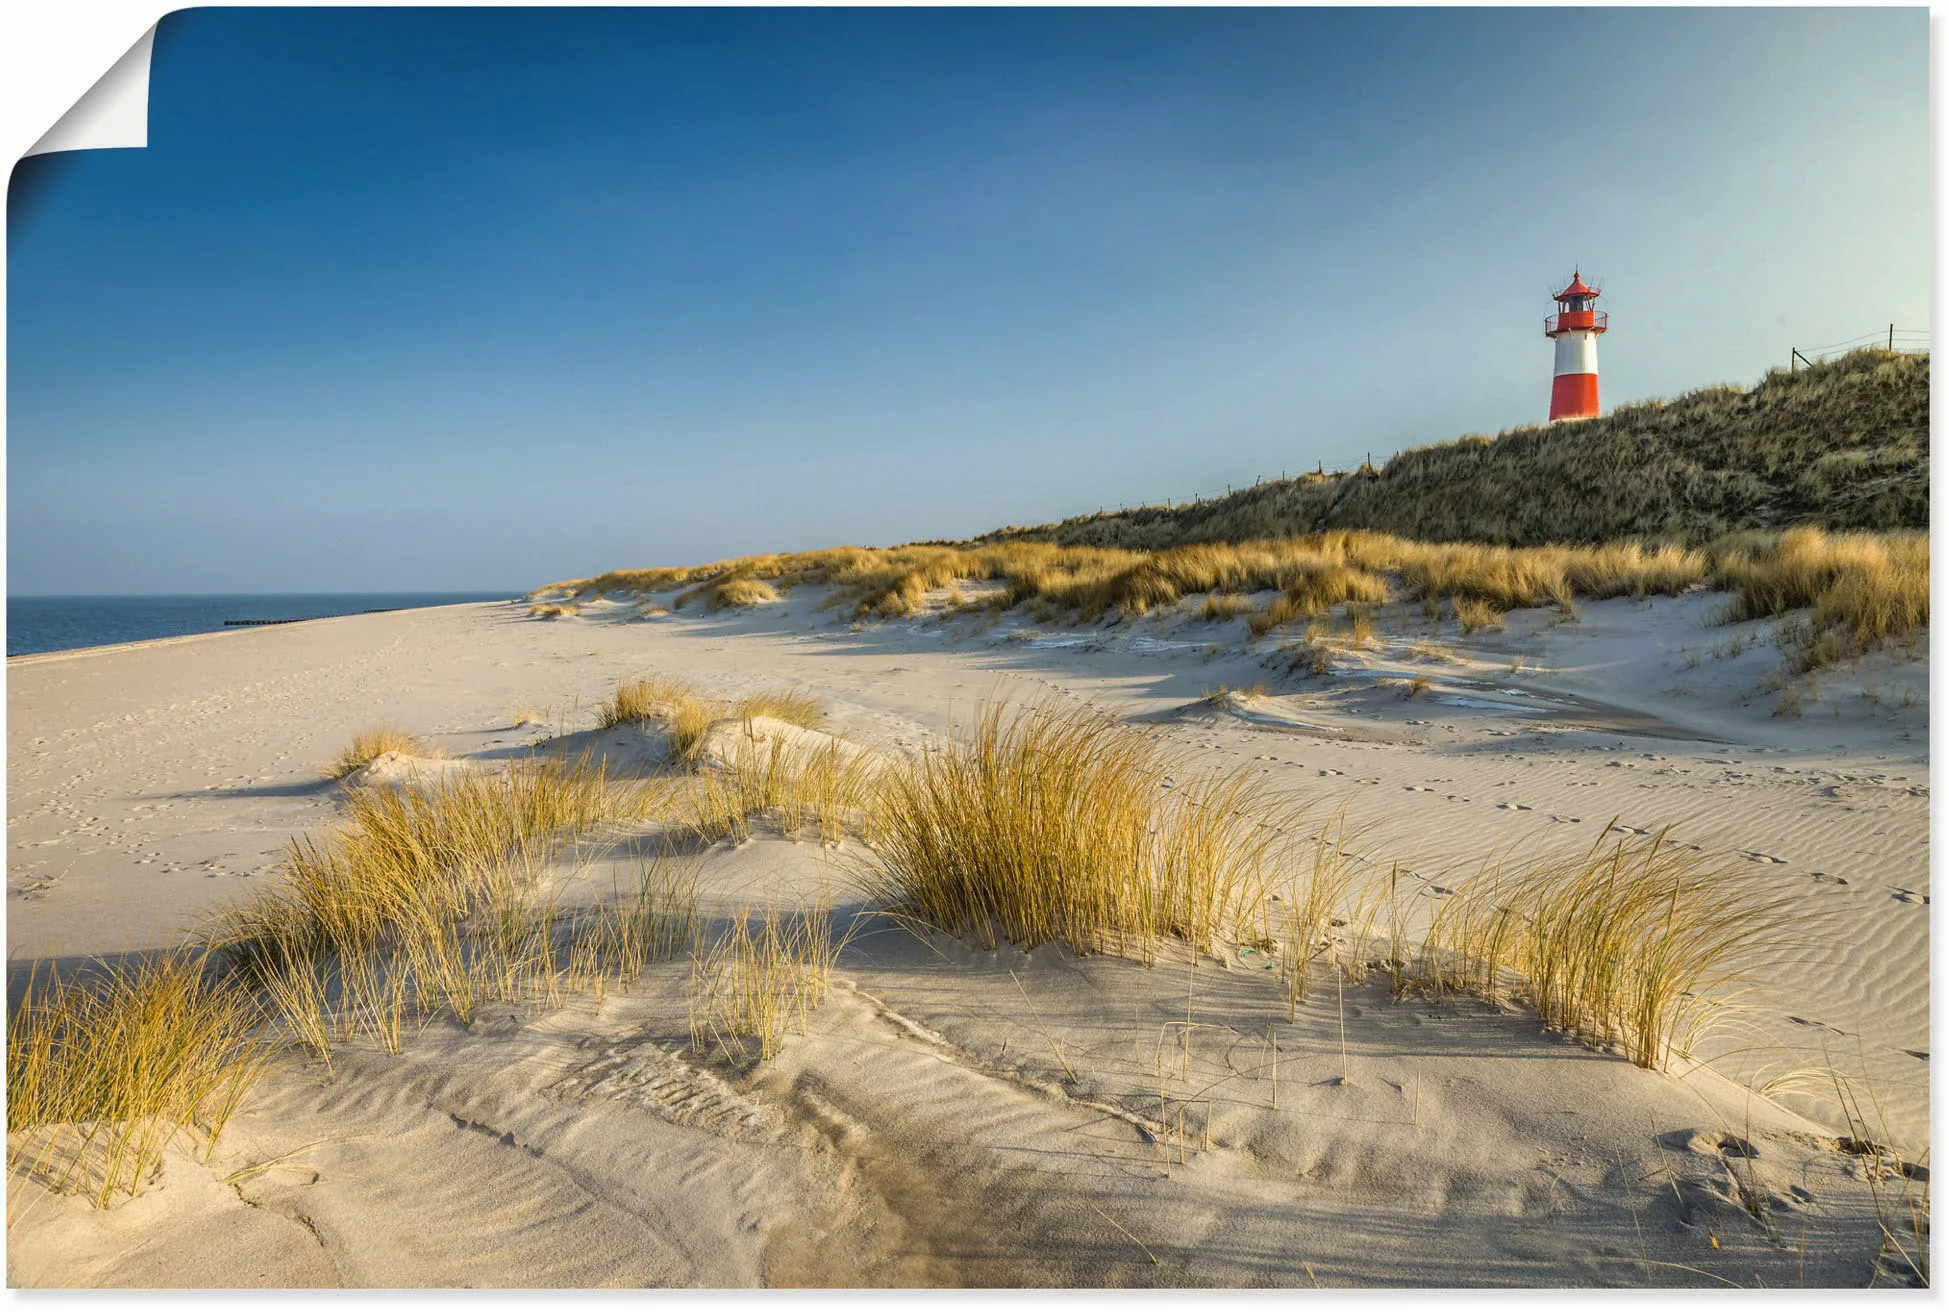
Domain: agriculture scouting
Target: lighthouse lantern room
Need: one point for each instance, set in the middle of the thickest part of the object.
(1574, 328)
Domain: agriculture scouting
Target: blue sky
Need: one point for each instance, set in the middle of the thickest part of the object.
(402, 299)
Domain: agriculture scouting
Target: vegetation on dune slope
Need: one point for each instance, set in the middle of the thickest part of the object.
(1843, 445)
(1810, 491)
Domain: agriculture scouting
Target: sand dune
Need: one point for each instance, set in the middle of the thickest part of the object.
(956, 1116)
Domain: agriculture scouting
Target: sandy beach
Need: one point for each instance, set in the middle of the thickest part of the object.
(954, 1115)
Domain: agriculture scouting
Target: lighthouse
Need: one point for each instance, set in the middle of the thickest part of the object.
(1574, 328)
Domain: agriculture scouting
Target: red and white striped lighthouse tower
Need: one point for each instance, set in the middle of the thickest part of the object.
(1575, 327)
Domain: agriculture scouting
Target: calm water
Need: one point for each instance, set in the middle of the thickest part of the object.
(37, 624)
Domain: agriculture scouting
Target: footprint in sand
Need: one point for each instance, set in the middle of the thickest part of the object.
(1513, 806)
(1366, 781)
(1764, 859)
(1910, 895)
(1567, 819)
(1628, 829)
(1327, 772)
(1417, 788)
(1819, 878)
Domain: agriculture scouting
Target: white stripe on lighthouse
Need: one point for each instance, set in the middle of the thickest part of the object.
(1576, 353)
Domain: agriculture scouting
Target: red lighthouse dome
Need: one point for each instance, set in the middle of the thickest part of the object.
(1574, 328)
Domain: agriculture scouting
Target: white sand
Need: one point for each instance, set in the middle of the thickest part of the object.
(958, 1116)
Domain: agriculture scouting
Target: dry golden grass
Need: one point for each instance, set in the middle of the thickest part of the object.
(439, 897)
(1050, 824)
(825, 791)
(1862, 590)
(421, 899)
(643, 701)
(110, 1067)
(372, 744)
(1635, 942)
(688, 714)
(1473, 615)
(737, 591)
(763, 975)
(557, 611)
(1312, 899)
(1312, 574)
(417, 855)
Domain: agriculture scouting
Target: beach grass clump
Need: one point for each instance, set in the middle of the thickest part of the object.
(1861, 590)
(1056, 824)
(761, 977)
(825, 790)
(738, 588)
(685, 711)
(372, 744)
(689, 714)
(1634, 942)
(561, 610)
(417, 856)
(109, 1066)
(1473, 615)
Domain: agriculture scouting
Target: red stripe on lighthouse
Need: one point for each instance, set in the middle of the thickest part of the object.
(1573, 396)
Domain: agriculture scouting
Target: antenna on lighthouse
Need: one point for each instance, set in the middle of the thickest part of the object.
(1575, 328)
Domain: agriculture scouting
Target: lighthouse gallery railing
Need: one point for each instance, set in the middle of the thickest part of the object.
(1574, 321)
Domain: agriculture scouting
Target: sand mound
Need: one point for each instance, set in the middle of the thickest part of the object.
(399, 770)
(730, 741)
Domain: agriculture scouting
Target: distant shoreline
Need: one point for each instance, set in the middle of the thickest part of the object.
(103, 649)
(45, 625)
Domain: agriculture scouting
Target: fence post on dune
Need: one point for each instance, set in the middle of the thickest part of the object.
(1891, 338)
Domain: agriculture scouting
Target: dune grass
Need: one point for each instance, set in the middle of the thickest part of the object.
(1053, 825)
(761, 977)
(1722, 488)
(112, 1065)
(737, 590)
(417, 856)
(1843, 446)
(1062, 825)
(1473, 615)
(824, 791)
(373, 743)
(1041, 824)
(1635, 942)
(555, 611)
(689, 714)
(1313, 575)
(421, 899)
(1861, 590)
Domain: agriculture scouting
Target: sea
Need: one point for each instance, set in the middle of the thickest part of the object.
(38, 624)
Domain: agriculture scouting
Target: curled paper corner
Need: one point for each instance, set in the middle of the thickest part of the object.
(114, 113)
